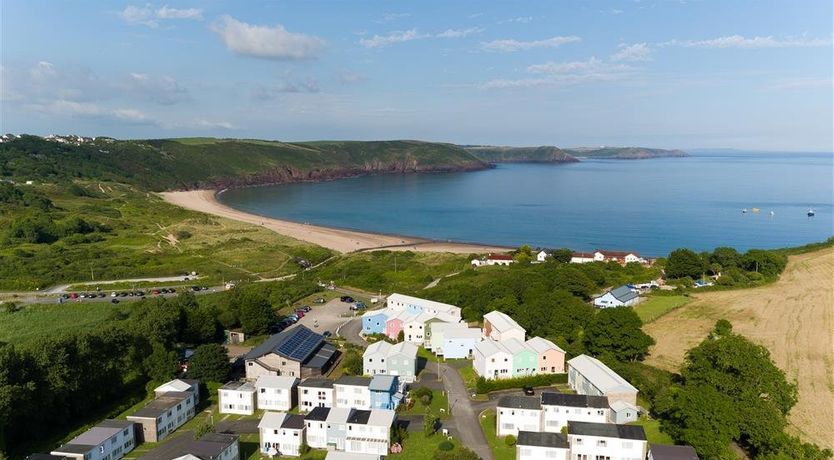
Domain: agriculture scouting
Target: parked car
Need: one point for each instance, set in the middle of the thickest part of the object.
(528, 390)
(139, 293)
(346, 299)
(195, 288)
(299, 313)
(305, 308)
(357, 306)
(114, 300)
(320, 300)
(326, 334)
(155, 292)
(102, 295)
(73, 295)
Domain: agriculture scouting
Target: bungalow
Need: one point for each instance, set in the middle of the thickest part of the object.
(385, 392)
(276, 392)
(237, 398)
(352, 392)
(281, 433)
(662, 452)
(109, 440)
(337, 427)
(460, 343)
(622, 296)
(175, 404)
(369, 431)
(492, 360)
(314, 393)
(493, 259)
(518, 413)
(525, 360)
(582, 257)
(217, 446)
(373, 322)
(589, 376)
(560, 408)
(551, 358)
(297, 352)
(531, 445)
(542, 256)
(437, 334)
(499, 326)
(316, 422)
(607, 440)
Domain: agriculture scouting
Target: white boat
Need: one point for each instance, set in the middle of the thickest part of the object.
(744, 211)
(811, 212)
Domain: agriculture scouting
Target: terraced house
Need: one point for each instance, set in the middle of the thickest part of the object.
(589, 376)
(314, 393)
(398, 359)
(109, 440)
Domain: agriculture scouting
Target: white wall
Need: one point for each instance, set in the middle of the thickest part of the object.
(287, 441)
(358, 439)
(538, 453)
(511, 421)
(556, 417)
(314, 397)
(316, 434)
(487, 366)
(356, 397)
(274, 398)
(236, 402)
(615, 448)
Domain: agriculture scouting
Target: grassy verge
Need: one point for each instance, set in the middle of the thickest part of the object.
(653, 433)
(468, 375)
(656, 306)
(499, 449)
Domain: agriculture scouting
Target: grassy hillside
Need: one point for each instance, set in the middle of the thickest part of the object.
(498, 154)
(625, 153)
(165, 164)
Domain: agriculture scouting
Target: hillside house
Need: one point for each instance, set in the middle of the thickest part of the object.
(374, 357)
(281, 433)
(492, 360)
(525, 360)
(551, 358)
(582, 257)
(276, 392)
(532, 445)
(542, 256)
(297, 352)
(622, 296)
(607, 440)
(493, 259)
(109, 440)
(518, 413)
(237, 398)
(385, 392)
(373, 322)
(416, 305)
(315, 392)
(499, 326)
(589, 376)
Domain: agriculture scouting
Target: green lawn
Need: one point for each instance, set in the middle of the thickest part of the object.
(43, 320)
(422, 352)
(653, 433)
(417, 446)
(500, 450)
(439, 401)
(467, 373)
(656, 306)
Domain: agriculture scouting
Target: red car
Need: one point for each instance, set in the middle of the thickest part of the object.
(300, 313)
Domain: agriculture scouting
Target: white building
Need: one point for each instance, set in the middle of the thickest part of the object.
(415, 305)
(315, 392)
(438, 332)
(281, 433)
(109, 440)
(582, 257)
(337, 455)
(373, 359)
(606, 441)
(237, 398)
(560, 408)
(337, 421)
(537, 446)
(352, 392)
(589, 376)
(493, 259)
(663, 452)
(276, 392)
(491, 360)
(369, 432)
(384, 358)
(189, 385)
(499, 326)
(542, 256)
(622, 296)
(175, 404)
(623, 412)
(215, 446)
(518, 413)
(316, 428)
(459, 343)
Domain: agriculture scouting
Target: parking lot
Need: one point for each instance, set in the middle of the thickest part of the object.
(327, 317)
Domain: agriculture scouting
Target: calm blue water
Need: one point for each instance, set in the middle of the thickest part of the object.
(649, 206)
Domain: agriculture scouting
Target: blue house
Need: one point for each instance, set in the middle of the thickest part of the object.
(385, 392)
(373, 322)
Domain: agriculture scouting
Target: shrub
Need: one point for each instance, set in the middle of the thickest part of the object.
(485, 386)
(182, 234)
(304, 449)
(445, 446)
(509, 440)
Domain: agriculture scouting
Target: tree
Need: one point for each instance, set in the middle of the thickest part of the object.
(726, 257)
(352, 362)
(430, 424)
(574, 280)
(256, 314)
(616, 331)
(401, 336)
(161, 364)
(768, 263)
(210, 362)
(510, 440)
(721, 329)
(683, 263)
(203, 429)
(702, 417)
(562, 255)
(458, 453)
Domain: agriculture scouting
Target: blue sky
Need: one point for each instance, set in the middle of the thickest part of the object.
(676, 74)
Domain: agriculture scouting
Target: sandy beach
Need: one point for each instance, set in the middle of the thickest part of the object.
(343, 241)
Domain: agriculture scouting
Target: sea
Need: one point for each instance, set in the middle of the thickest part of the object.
(649, 206)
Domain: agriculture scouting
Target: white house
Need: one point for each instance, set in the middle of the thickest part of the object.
(276, 392)
(582, 257)
(492, 360)
(623, 412)
(589, 376)
(216, 446)
(237, 398)
(560, 408)
(541, 256)
(337, 421)
(314, 392)
(493, 259)
(109, 440)
(607, 441)
(175, 403)
(414, 327)
(438, 333)
(184, 385)
(499, 326)
(353, 392)
(337, 455)
(281, 433)
(316, 429)
(618, 256)
(373, 359)
(518, 413)
(369, 431)
(531, 445)
(402, 361)
(399, 302)
(622, 296)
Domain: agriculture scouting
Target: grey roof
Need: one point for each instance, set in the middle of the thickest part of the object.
(323, 357)
(297, 344)
(207, 448)
(383, 382)
(316, 383)
(600, 375)
(74, 448)
(520, 402)
(660, 452)
(532, 438)
(359, 416)
(293, 422)
(353, 380)
(38, 456)
(113, 423)
(318, 414)
(608, 430)
(624, 294)
(161, 404)
(238, 386)
(571, 400)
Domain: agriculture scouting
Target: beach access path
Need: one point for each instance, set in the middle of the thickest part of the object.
(340, 240)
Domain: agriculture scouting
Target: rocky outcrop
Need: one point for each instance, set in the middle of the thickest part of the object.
(499, 154)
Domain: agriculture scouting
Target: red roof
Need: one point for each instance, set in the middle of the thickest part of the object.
(500, 257)
(585, 255)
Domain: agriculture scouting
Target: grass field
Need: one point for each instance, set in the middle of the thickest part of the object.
(653, 433)
(35, 321)
(500, 450)
(439, 401)
(792, 317)
(656, 306)
(418, 446)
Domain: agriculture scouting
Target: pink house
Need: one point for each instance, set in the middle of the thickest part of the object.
(551, 357)
(395, 324)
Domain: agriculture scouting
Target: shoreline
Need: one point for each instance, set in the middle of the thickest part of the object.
(340, 240)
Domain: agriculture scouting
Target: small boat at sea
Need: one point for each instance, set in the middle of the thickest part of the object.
(744, 211)
(772, 213)
(755, 210)
(811, 212)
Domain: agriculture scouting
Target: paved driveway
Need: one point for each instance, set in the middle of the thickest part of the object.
(465, 423)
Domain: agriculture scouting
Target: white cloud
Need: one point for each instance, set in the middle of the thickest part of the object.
(266, 42)
(633, 53)
(270, 92)
(148, 16)
(564, 74)
(801, 83)
(213, 124)
(163, 90)
(68, 108)
(347, 76)
(131, 115)
(738, 41)
(511, 45)
(518, 20)
(459, 33)
(388, 17)
(379, 41)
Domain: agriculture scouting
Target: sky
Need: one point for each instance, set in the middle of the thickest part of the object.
(746, 74)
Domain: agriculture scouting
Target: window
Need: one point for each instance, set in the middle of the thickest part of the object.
(274, 431)
(601, 443)
(263, 390)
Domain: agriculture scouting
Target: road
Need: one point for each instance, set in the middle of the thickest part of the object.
(467, 425)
